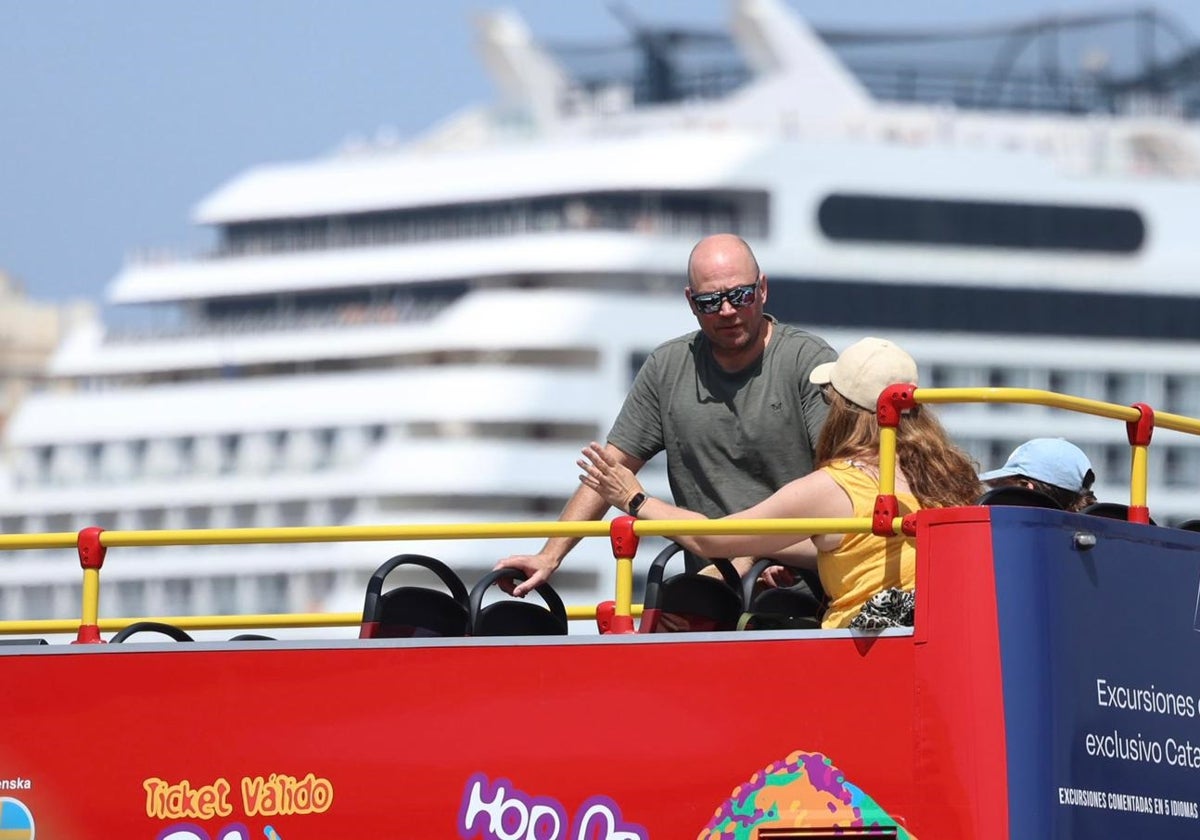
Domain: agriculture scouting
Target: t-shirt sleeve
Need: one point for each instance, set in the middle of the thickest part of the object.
(814, 352)
(638, 429)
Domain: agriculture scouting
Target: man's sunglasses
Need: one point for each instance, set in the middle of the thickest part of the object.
(738, 296)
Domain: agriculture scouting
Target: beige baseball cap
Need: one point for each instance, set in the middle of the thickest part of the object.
(864, 369)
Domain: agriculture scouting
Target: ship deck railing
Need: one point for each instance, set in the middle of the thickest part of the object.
(93, 543)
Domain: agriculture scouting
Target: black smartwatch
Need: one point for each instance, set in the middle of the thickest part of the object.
(635, 504)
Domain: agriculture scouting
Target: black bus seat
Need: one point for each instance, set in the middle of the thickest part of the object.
(706, 603)
(778, 608)
(514, 616)
(1110, 510)
(1018, 496)
(414, 611)
(176, 633)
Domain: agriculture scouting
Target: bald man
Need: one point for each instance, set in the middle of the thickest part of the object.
(730, 403)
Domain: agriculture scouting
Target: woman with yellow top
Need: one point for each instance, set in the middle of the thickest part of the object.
(931, 472)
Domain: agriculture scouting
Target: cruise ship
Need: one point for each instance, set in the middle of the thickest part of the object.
(428, 332)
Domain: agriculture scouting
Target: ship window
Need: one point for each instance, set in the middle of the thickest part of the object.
(998, 452)
(43, 458)
(1183, 394)
(320, 586)
(94, 455)
(196, 516)
(1181, 467)
(137, 456)
(177, 596)
(636, 360)
(73, 597)
(229, 452)
(690, 213)
(224, 595)
(273, 593)
(931, 221)
(292, 513)
(278, 442)
(1133, 386)
(939, 376)
(187, 453)
(131, 596)
(1172, 391)
(39, 602)
(1113, 387)
(1006, 378)
(341, 509)
(243, 516)
(325, 446)
(1057, 381)
(1116, 464)
(106, 519)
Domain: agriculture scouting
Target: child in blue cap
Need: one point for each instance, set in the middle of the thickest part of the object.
(1053, 466)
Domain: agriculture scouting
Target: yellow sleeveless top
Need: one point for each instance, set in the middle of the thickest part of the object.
(864, 564)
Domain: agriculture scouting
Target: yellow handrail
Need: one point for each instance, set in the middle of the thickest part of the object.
(1139, 420)
(262, 621)
(1029, 396)
(1139, 435)
(17, 542)
(358, 533)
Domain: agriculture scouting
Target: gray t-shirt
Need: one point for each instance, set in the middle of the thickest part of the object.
(731, 439)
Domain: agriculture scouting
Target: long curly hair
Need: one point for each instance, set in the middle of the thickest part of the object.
(938, 472)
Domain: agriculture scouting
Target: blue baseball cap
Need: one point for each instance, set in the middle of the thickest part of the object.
(1052, 460)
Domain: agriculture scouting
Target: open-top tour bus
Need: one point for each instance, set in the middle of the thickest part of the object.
(1049, 688)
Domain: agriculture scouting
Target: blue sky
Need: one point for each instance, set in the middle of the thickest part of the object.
(119, 116)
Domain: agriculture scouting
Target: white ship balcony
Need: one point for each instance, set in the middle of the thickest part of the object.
(670, 159)
(484, 393)
(495, 325)
(574, 253)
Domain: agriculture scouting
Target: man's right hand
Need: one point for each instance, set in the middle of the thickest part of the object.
(777, 577)
(537, 569)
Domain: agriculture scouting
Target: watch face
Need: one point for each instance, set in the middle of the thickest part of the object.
(636, 502)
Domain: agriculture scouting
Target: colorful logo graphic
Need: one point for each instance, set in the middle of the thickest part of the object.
(16, 821)
(805, 790)
(191, 831)
(499, 811)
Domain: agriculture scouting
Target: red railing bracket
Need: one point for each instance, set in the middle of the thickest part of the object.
(1139, 513)
(624, 540)
(624, 547)
(894, 401)
(887, 508)
(88, 634)
(1139, 431)
(91, 552)
(91, 558)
